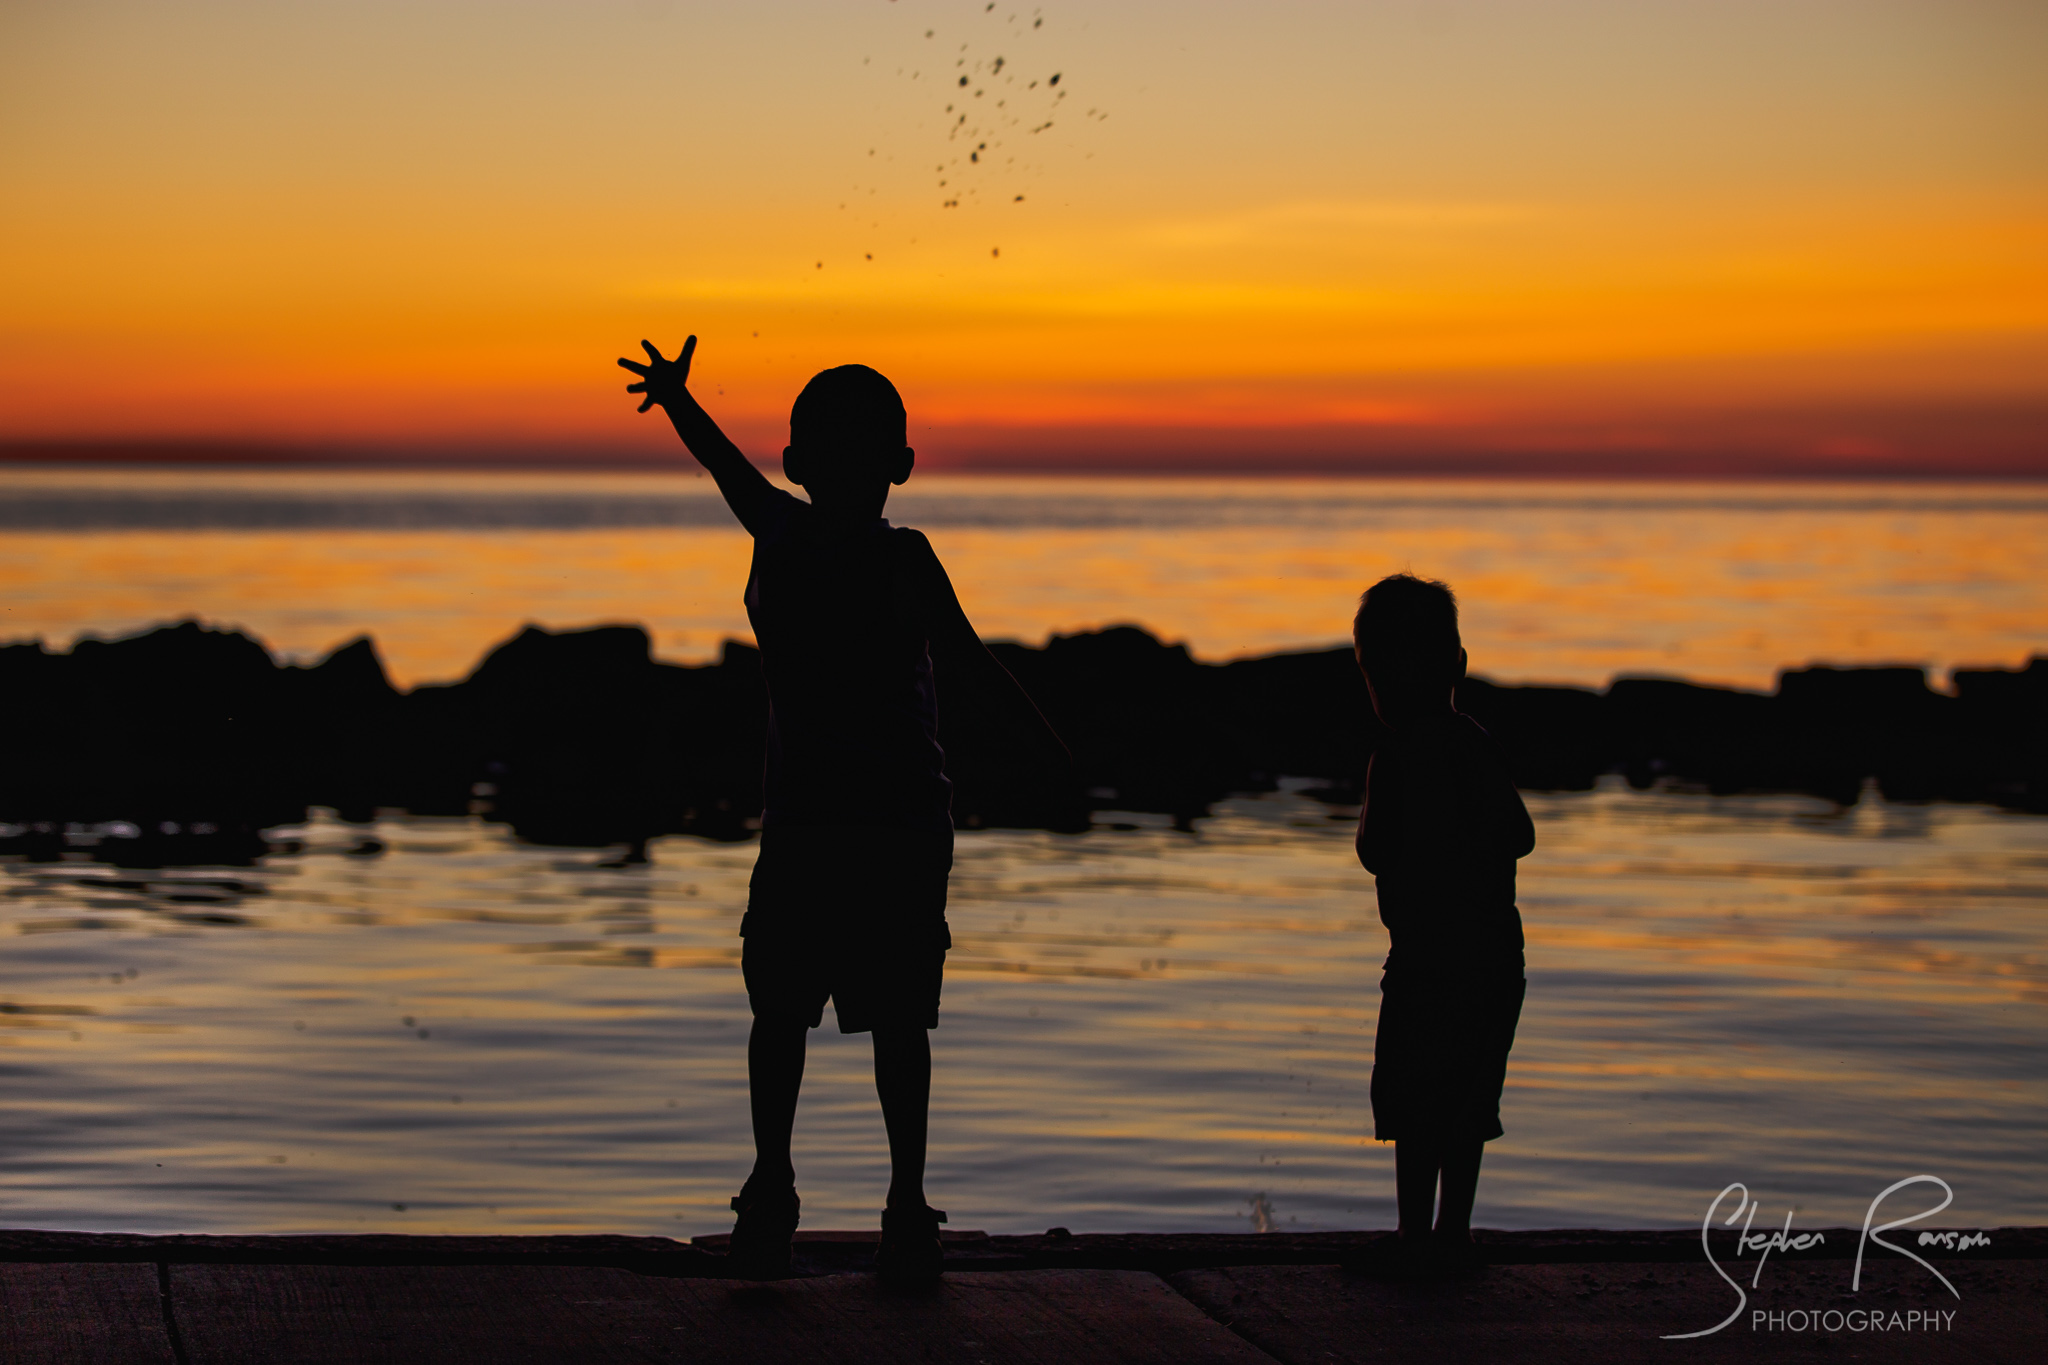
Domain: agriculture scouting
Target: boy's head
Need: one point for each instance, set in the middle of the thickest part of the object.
(1406, 636)
(847, 438)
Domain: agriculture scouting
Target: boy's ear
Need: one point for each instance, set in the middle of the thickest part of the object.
(1461, 663)
(793, 465)
(900, 472)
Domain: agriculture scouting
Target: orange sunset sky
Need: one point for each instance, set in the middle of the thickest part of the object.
(1606, 236)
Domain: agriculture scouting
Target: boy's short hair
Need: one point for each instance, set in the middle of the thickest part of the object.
(848, 405)
(1405, 623)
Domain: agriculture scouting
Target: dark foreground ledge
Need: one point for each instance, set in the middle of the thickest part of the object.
(828, 1253)
(1557, 1296)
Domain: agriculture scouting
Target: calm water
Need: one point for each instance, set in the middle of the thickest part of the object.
(1143, 1029)
(1561, 582)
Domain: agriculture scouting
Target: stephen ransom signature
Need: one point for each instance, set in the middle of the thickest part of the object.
(1856, 1320)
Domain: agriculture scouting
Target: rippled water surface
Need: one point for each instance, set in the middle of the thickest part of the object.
(1143, 1028)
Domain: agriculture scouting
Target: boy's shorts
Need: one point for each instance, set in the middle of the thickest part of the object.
(1440, 1056)
(856, 913)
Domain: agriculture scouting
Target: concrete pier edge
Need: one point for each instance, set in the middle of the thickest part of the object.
(1554, 1297)
(830, 1252)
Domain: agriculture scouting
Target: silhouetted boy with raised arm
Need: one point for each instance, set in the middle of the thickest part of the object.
(848, 900)
(1441, 831)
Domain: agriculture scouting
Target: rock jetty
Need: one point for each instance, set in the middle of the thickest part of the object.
(185, 744)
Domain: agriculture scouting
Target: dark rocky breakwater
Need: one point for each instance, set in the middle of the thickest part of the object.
(184, 744)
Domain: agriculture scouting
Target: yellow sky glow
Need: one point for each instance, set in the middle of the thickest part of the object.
(1777, 232)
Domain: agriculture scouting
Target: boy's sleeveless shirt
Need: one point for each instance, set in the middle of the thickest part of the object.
(840, 616)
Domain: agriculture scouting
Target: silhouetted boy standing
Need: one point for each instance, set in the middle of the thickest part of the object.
(1441, 831)
(849, 893)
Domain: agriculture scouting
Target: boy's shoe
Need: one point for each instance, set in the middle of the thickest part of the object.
(911, 1252)
(761, 1235)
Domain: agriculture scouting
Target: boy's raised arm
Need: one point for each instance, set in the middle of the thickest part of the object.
(665, 382)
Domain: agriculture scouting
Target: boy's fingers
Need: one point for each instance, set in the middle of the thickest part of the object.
(640, 387)
(653, 356)
(689, 349)
(645, 404)
(635, 366)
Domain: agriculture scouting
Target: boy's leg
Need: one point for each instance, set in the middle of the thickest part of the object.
(903, 1080)
(775, 1073)
(1460, 1164)
(1416, 1164)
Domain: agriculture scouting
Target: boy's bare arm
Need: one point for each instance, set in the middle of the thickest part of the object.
(955, 641)
(665, 382)
(1379, 835)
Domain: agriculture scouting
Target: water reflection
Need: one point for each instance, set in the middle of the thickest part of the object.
(1146, 1029)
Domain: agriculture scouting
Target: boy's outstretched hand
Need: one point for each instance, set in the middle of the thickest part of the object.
(665, 382)
(660, 378)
